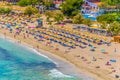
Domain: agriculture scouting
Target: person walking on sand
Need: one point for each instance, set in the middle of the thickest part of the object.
(115, 50)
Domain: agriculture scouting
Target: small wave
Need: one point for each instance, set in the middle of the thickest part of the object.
(57, 74)
(37, 52)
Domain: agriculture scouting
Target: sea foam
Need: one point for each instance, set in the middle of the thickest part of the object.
(57, 74)
(37, 52)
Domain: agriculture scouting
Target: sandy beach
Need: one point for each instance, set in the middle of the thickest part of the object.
(79, 58)
(62, 64)
(73, 43)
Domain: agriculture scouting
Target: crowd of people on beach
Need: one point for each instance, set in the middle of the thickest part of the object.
(59, 35)
(70, 39)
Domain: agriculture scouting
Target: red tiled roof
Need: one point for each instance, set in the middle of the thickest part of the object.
(57, 2)
(98, 3)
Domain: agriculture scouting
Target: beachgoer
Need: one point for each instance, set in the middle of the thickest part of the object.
(37, 46)
(28, 35)
(14, 36)
(24, 37)
(94, 59)
(4, 33)
(108, 63)
(56, 49)
(115, 50)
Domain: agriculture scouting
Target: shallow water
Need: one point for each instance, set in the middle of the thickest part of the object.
(20, 63)
(88, 17)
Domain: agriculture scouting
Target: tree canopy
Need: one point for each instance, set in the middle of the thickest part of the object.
(114, 28)
(78, 19)
(29, 2)
(111, 2)
(30, 10)
(70, 7)
(23, 3)
(49, 14)
(58, 17)
(48, 3)
(108, 18)
(5, 10)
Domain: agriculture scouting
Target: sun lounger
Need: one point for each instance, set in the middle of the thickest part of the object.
(82, 47)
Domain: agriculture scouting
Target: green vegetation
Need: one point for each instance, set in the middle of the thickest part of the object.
(111, 2)
(5, 10)
(29, 2)
(38, 15)
(79, 19)
(87, 22)
(114, 28)
(30, 10)
(34, 2)
(110, 22)
(49, 14)
(23, 3)
(48, 3)
(108, 18)
(71, 7)
(58, 17)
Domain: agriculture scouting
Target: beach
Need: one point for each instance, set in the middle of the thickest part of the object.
(59, 40)
(96, 69)
(62, 64)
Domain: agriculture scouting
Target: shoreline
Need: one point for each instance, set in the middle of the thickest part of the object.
(74, 57)
(61, 63)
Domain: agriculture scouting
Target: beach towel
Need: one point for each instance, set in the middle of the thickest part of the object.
(112, 60)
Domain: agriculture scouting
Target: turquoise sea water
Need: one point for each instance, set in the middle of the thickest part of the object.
(21, 63)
